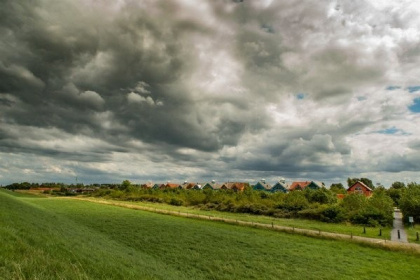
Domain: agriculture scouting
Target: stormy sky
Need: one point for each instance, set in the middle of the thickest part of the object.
(186, 90)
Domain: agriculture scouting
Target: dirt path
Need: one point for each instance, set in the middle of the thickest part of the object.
(395, 245)
(398, 233)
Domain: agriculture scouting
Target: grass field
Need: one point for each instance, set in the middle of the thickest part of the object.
(297, 223)
(47, 238)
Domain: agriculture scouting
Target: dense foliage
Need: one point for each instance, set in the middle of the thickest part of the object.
(320, 204)
(409, 202)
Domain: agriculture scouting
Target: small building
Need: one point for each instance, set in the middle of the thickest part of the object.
(299, 186)
(280, 186)
(235, 186)
(360, 187)
(212, 185)
(314, 185)
(147, 185)
(262, 186)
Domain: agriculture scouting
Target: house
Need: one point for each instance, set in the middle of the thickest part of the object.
(235, 186)
(298, 186)
(360, 187)
(187, 186)
(262, 186)
(314, 185)
(158, 186)
(170, 186)
(238, 187)
(147, 185)
(280, 186)
(212, 185)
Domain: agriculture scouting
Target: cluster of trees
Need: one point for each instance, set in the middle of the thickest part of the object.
(321, 204)
(407, 198)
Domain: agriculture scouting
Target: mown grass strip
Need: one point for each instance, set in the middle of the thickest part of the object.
(238, 219)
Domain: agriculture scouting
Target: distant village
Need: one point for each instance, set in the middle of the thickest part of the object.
(262, 185)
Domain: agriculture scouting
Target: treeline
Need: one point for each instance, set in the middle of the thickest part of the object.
(321, 204)
(27, 185)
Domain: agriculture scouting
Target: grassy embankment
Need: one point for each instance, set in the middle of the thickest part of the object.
(343, 228)
(68, 239)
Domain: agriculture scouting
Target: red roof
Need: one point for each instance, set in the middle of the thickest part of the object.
(299, 185)
(171, 186)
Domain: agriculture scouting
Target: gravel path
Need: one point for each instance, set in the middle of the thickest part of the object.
(398, 226)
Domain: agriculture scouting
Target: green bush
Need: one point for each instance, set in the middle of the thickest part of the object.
(333, 214)
(311, 213)
(176, 202)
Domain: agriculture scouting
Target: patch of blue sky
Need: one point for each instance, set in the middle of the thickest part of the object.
(392, 131)
(300, 96)
(413, 88)
(392, 87)
(361, 98)
(415, 107)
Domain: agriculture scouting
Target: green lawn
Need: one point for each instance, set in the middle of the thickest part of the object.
(297, 223)
(70, 239)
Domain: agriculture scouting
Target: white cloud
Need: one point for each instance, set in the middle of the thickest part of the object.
(133, 97)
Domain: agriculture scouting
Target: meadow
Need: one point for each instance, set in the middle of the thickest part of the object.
(54, 238)
(342, 228)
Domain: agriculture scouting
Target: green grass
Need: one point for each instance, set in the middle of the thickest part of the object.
(412, 233)
(297, 223)
(70, 239)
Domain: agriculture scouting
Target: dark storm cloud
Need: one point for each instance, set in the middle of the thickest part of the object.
(210, 85)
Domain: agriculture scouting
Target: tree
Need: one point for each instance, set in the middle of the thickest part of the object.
(125, 184)
(398, 185)
(410, 202)
(337, 188)
(354, 202)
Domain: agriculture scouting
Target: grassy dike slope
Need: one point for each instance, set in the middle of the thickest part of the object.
(66, 239)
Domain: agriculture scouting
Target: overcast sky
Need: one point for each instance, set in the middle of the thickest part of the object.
(188, 90)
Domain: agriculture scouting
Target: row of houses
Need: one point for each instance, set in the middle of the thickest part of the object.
(262, 185)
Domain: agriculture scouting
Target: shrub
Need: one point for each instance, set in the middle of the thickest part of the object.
(371, 217)
(333, 214)
(176, 202)
(311, 213)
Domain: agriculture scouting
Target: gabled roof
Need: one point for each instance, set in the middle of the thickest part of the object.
(171, 185)
(299, 185)
(280, 185)
(317, 184)
(234, 186)
(360, 183)
(147, 185)
(262, 185)
(187, 185)
(212, 185)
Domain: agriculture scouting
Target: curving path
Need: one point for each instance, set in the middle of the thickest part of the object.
(398, 226)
